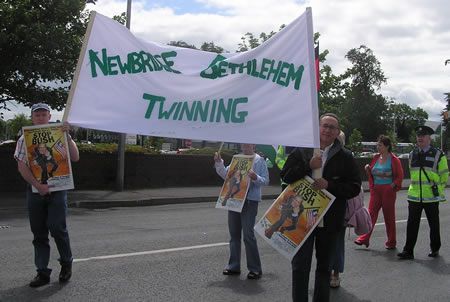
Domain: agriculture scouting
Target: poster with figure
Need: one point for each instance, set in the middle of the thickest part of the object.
(48, 157)
(293, 216)
(236, 184)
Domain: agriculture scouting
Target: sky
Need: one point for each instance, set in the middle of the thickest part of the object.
(410, 38)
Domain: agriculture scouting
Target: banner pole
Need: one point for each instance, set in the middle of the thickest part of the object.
(77, 70)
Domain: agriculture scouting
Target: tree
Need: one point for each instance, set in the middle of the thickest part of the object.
(249, 41)
(15, 125)
(363, 106)
(354, 142)
(210, 46)
(405, 120)
(181, 44)
(39, 45)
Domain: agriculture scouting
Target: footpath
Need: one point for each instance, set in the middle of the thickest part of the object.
(98, 199)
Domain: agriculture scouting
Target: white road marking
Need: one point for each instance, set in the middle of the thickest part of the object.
(177, 249)
(151, 252)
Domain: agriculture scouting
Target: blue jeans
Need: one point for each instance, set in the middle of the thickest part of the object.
(243, 223)
(48, 213)
(338, 257)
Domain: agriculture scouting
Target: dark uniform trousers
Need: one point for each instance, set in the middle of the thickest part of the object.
(412, 229)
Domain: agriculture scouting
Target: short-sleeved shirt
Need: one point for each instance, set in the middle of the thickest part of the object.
(19, 153)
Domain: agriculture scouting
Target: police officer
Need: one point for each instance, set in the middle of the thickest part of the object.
(429, 173)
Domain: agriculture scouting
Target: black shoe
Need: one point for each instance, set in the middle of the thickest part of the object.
(229, 272)
(433, 254)
(254, 275)
(405, 255)
(66, 272)
(40, 280)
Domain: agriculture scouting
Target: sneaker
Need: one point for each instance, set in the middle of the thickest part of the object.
(66, 272)
(39, 280)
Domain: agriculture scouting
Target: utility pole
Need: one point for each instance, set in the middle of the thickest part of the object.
(122, 136)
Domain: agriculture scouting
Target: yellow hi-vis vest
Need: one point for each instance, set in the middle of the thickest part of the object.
(433, 163)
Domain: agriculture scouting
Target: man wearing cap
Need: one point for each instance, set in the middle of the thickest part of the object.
(429, 173)
(46, 210)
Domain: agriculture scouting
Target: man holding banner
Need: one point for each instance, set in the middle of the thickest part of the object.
(342, 179)
(46, 209)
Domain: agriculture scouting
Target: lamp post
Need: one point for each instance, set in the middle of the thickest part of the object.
(122, 136)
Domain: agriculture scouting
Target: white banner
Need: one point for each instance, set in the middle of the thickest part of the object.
(266, 95)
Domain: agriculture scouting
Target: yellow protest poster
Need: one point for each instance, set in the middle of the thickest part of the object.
(235, 187)
(48, 156)
(293, 216)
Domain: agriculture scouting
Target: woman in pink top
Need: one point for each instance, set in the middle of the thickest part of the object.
(385, 175)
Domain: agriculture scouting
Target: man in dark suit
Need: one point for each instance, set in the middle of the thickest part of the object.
(340, 177)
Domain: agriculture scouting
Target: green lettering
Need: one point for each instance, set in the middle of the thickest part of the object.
(202, 110)
(102, 64)
(264, 68)
(165, 56)
(223, 111)
(240, 116)
(274, 71)
(282, 75)
(152, 101)
(295, 75)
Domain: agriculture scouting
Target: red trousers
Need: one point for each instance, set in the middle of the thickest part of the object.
(382, 196)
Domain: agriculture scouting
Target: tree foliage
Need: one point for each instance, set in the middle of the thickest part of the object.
(354, 142)
(405, 120)
(249, 41)
(363, 106)
(210, 46)
(39, 46)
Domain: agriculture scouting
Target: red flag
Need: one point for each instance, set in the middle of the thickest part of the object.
(316, 61)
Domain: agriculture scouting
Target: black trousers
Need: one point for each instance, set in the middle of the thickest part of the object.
(412, 229)
(325, 242)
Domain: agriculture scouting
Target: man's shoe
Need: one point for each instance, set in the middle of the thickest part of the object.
(433, 254)
(66, 272)
(229, 272)
(405, 255)
(254, 275)
(39, 280)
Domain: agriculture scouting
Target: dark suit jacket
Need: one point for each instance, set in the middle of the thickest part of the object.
(341, 172)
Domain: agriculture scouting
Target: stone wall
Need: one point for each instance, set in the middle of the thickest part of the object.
(98, 171)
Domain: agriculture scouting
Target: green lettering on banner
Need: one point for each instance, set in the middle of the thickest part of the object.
(102, 64)
(213, 68)
(218, 110)
(274, 71)
(295, 75)
(223, 111)
(165, 56)
(238, 116)
(152, 101)
(202, 110)
(282, 75)
(213, 111)
(264, 68)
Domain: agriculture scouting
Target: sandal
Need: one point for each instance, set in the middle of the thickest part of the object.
(335, 282)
